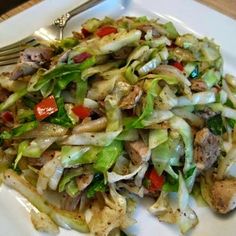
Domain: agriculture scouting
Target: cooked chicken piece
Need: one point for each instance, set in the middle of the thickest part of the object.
(138, 151)
(198, 85)
(131, 99)
(83, 181)
(23, 69)
(39, 55)
(206, 149)
(31, 59)
(39, 162)
(223, 194)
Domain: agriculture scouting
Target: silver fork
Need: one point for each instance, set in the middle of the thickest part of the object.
(10, 54)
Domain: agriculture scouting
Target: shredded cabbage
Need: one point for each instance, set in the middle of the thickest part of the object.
(197, 99)
(186, 217)
(50, 174)
(157, 137)
(96, 139)
(70, 155)
(184, 129)
(113, 177)
(65, 219)
(112, 43)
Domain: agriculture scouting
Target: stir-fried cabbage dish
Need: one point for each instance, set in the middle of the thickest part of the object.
(124, 109)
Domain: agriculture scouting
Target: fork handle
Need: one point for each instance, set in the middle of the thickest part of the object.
(83, 7)
(62, 21)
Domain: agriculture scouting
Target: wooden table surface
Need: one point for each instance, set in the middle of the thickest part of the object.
(227, 7)
(18, 9)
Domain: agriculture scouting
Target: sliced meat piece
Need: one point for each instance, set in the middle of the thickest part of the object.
(131, 99)
(39, 55)
(198, 85)
(223, 194)
(138, 151)
(23, 69)
(83, 181)
(206, 149)
(39, 162)
(31, 59)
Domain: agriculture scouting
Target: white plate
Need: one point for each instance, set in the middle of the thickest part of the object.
(188, 16)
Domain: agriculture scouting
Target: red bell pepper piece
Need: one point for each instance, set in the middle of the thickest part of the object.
(81, 57)
(81, 111)
(45, 108)
(177, 65)
(105, 30)
(156, 181)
